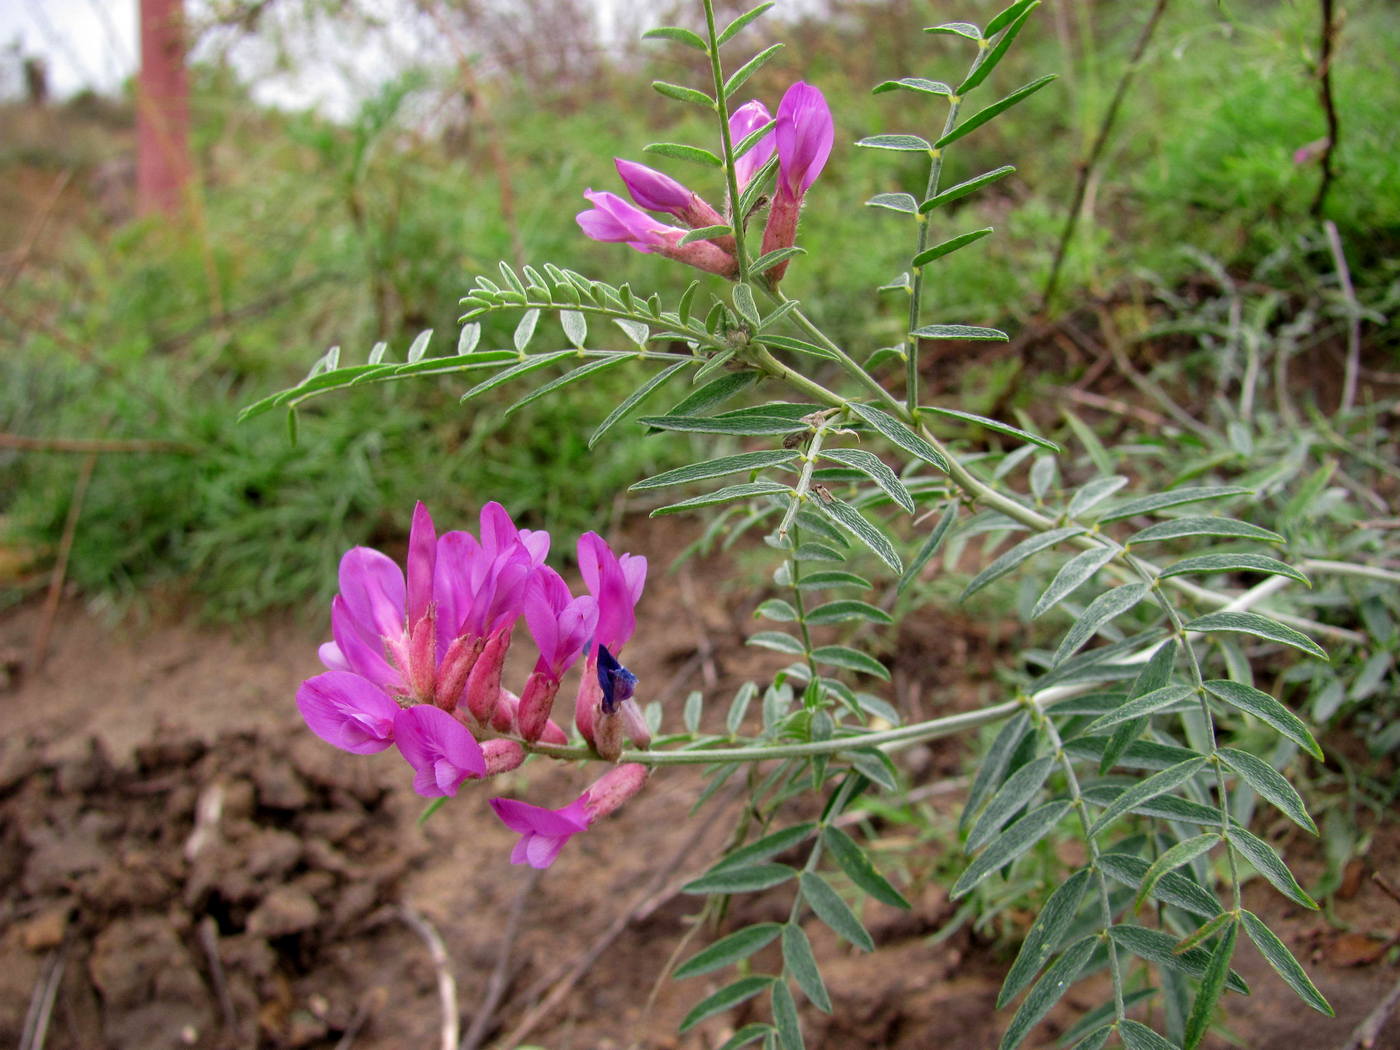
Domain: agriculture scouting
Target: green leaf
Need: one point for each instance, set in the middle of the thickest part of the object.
(901, 202)
(1157, 784)
(851, 660)
(929, 548)
(1270, 784)
(966, 29)
(1009, 15)
(1010, 844)
(850, 519)
(768, 846)
(715, 392)
(908, 143)
(962, 189)
(918, 84)
(873, 467)
(847, 609)
(1096, 1039)
(418, 349)
(572, 376)
(1072, 575)
(1137, 1036)
(1017, 554)
(777, 641)
(530, 364)
(1183, 852)
(694, 705)
(726, 998)
(994, 56)
(859, 869)
(1269, 864)
(1178, 528)
(1048, 991)
(750, 1033)
(1158, 947)
(729, 950)
(832, 578)
(575, 327)
(1141, 706)
(1265, 708)
(876, 767)
(681, 36)
(467, 341)
(832, 910)
(992, 769)
(704, 233)
(525, 330)
(744, 304)
(1140, 754)
(680, 151)
(952, 244)
(1093, 493)
(728, 494)
(776, 609)
(1044, 935)
(749, 68)
(797, 346)
(899, 434)
(1174, 498)
(959, 331)
(1017, 792)
(749, 426)
(733, 28)
(990, 424)
(1212, 985)
(1281, 959)
(1260, 627)
(802, 964)
(715, 468)
(634, 399)
(1106, 607)
(785, 1018)
(1210, 563)
(981, 117)
(740, 880)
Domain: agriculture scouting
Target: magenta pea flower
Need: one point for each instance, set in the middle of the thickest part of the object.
(743, 122)
(561, 626)
(612, 219)
(617, 583)
(348, 712)
(441, 750)
(803, 135)
(657, 191)
(543, 832)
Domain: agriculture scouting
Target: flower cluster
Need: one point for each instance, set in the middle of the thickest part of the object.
(802, 136)
(417, 658)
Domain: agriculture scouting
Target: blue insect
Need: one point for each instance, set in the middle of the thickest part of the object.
(617, 682)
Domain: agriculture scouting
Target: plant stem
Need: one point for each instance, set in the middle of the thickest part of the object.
(726, 140)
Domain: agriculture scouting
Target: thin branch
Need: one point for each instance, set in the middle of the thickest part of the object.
(1086, 170)
(1368, 1032)
(1353, 365)
(496, 986)
(447, 987)
(1326, 44)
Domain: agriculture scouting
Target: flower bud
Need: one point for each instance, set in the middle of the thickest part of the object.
(535, 704)
(484, 682)
(614, 788)
(502, 756)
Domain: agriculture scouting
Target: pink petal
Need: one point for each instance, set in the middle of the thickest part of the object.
(422, 555)
(439, 748)
(373, 589)
(362, 656)
(804, 134)
(543, 850)
(347, 712)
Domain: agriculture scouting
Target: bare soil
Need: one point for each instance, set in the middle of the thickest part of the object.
(192, 868)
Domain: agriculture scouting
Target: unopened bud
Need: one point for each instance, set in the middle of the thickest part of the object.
(484, 683)
(502, 756)
(457, 664)
(536, 702)
(614, 788)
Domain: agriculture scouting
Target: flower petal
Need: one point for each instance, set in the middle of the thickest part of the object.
(348, 712)
(373, 589)
(422, 554)
(804, 134)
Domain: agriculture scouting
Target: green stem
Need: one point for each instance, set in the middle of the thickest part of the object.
(726, 140)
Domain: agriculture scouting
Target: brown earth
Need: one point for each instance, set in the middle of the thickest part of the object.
(190, 867)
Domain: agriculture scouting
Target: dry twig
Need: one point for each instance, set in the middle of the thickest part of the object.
(496, 987)
(447, 986)
(36, 1019)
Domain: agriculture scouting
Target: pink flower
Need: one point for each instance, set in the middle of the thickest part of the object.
(348, 712)
(612, 219)
(543, 832)
(804, 135)
(561, 626)
(743, 122)
(616, 582)
(652, 189)
(441, 750)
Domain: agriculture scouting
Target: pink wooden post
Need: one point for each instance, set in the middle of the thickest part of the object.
(162, 108)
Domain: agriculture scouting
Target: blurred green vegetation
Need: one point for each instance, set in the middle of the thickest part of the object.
(307, 234)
